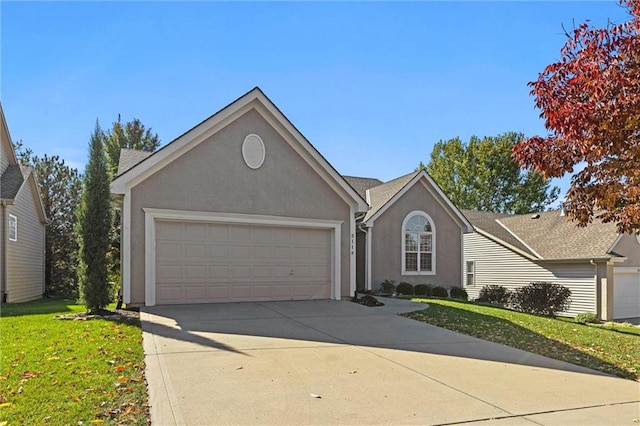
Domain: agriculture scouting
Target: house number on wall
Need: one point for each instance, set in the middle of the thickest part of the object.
(353, 244)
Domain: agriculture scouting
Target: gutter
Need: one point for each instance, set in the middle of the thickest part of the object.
(3, 258)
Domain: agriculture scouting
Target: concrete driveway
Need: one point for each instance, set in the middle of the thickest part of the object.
(330, 362)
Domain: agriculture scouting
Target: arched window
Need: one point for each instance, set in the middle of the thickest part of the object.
(419, 244)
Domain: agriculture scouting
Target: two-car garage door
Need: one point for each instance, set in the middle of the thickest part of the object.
(202, 262)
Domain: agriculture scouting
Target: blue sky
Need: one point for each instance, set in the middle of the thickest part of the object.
(373, 85)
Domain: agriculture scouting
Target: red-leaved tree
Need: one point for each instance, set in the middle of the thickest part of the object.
(590, 101)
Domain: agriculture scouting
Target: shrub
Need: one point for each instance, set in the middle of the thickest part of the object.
(459, 293)
(440, 292)
(494, 294)
(387, 286)
(586, 318)
(405, 288)
(423, 290)
(542, 298)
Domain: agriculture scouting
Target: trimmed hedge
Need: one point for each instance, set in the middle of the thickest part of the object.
(423, 290)
(405, 288)
(458, 293)
(439, 291)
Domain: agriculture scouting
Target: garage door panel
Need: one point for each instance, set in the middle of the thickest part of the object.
(169, 294)
(195, 251)
(169, 250)
(626, 295)
(195, 231)
(212, 262)
(240, 233)
(198, 272)
(218, 271)
(218, 251)
(217, 293)
(168, 273)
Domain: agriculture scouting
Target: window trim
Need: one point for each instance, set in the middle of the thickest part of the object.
(13, 219)
(472, 274)
(403, 259)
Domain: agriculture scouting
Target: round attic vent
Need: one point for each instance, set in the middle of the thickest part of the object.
(253, 151)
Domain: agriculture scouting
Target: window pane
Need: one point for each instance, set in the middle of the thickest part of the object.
(425, 262)
(418, 223)
(411, 261)
(410, 242)
(470, 267)
(426, 243)
(469, 280)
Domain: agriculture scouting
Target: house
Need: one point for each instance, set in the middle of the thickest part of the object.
(243, 208)
(412, 233)
(600, 266)
(22, 228)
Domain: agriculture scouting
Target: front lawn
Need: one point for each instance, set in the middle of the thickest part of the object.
(611, 350)
(69, 371)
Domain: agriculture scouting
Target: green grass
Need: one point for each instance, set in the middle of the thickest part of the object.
(613, 349)
(65, 372)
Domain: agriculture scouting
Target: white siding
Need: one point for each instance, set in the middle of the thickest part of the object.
(25, 257)
(497, 265)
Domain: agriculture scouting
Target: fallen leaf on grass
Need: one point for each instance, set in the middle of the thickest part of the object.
(6, 404)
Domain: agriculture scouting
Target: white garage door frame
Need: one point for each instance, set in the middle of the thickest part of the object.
(153, 215)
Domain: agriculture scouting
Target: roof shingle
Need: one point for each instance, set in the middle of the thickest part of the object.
(12, 180)
(130, 158)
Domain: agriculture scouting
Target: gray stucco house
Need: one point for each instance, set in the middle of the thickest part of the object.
(600, 266)
(22, 228)
(412, 233)
(243, 208)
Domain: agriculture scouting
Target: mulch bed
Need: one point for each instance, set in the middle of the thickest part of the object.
(129, 316)
(367, 300)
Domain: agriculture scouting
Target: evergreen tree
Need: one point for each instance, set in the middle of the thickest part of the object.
(60, 188)
(94, 226)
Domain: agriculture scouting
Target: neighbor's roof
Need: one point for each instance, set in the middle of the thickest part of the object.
(487, 223)
(12, 179)
(547, 235)
(553, 236)
(361, 184)
(130, 158)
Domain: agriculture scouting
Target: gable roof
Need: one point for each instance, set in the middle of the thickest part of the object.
(381, 197)
(361, 184)
(12, 179)
(553, 236)
(546, 235)
(254, 99)
(5, 141)
(487, 224)
(130, 158)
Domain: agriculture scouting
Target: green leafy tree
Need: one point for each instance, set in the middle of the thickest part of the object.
(131, 135)
(60, 188)
(481, 175)
(94, 227)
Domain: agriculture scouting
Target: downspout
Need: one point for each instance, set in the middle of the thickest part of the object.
(598, 289)
(3, 260)
(362, 227)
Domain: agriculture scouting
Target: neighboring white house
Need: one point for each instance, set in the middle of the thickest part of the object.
(22, 226)
(600, 266)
